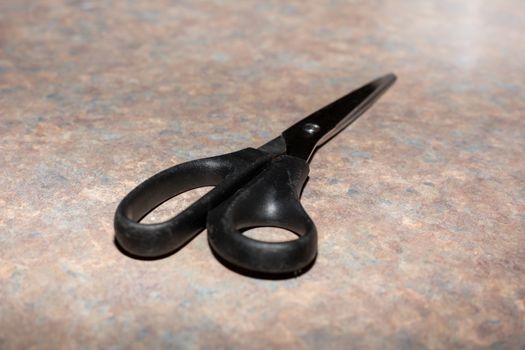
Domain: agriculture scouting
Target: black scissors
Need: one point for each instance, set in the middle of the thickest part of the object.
(254, 188)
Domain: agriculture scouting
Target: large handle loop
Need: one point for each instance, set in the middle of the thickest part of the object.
(226, 172)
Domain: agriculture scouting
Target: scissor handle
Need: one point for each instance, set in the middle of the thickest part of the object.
(227, 172)
(270, 199)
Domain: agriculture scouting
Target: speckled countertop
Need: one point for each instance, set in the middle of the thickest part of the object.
(420, 204)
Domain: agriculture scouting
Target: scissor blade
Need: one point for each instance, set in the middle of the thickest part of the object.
(303, 137)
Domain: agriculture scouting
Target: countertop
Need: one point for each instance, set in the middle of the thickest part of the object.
(419, 205)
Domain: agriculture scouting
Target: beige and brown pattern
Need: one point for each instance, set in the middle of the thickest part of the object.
(420, 204)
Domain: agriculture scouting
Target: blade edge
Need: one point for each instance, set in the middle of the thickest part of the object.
(305, 136)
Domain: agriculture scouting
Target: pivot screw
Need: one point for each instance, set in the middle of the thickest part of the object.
(310, 129)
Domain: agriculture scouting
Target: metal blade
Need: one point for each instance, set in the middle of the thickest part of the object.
(303, 137)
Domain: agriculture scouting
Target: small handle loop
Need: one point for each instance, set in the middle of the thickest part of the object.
(270, 199)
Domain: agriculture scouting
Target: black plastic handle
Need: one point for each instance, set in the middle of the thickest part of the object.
(228, 172)
(270, 199)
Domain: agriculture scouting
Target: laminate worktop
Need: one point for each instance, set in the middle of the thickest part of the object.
(419, 204)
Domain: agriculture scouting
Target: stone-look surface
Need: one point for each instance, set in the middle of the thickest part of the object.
(420, 204)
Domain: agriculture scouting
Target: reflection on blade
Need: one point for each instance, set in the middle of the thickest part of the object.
(302, 138)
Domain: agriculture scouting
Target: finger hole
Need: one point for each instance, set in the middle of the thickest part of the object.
(270, 234)
(174, 205)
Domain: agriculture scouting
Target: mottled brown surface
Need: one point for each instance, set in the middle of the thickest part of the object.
(420, 205)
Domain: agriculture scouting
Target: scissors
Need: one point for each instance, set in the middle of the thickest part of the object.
(253, 188)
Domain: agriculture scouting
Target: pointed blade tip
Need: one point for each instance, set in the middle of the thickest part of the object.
(389, 78)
